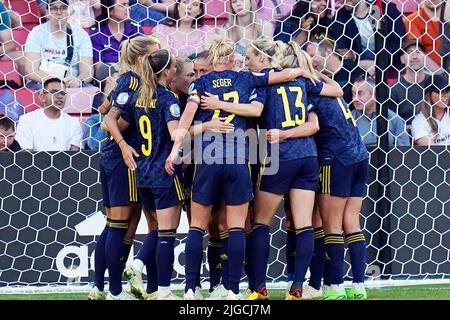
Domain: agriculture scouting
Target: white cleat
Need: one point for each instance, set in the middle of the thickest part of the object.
(247, 293)
(233, 296)
(96, 294)
(170, 296)
(189, 295)
(288, 288)
(198, 293)
(121, 296)
(134, 280)
(219, 293)
(310, 293)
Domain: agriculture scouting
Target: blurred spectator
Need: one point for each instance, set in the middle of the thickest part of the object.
(365, 114)
(82, 13)
(50, 128)
(7, 45)
(15, 19)
(10, 105)
(308, 19)
(407, 94)
(444, 49)
(58, 49)
(185, 34)
(355, 29)
(201, 64)
(245, 25)
(151, 12)
(114, 27)
(93, 134)
(7, 135)
(425, 26)
(432, 125)
(184, 77)
(274, 9)
(325, 59)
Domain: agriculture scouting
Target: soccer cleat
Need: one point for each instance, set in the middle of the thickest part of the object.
(310, 293)
(121, 296)
(134, 280)
(295, 295)
(170, 296)
(259, 295)
(289, 285)
(332, 294)
(189, 295)
(198, 293)
(355, 294)
(233, 296)
(219, 293)
(151, 296)
(247, 293)
(96, 294)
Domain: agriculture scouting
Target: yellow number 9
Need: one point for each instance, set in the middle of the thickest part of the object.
(145, 128)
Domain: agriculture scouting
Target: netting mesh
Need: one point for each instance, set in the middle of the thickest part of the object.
(50, 202)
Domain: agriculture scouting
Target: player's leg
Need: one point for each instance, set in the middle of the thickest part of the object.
(290, 243)
(214, 249)
(302, 197)
(313, 289)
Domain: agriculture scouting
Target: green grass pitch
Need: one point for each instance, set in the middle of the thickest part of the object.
(420, 292)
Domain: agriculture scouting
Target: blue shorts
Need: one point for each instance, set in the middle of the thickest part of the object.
(158, 198)
(344, 181)
(212, 182)
(188, 176)
(302, 173)
(119, 187)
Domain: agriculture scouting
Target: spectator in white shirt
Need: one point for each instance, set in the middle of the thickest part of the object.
(432, 125)
(58, 49)
(50, 128)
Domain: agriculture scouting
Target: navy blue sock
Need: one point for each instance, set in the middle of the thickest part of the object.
(147, 254)
(318, 259)
(236, 256)
(303, 255)
(194, 256)
(357, 250)
(100, 258)
(290, 253)
(127, 244)
(248, 264)
(224, 237)
(215, 268)
(326, 270)
(115, 254)
(165, 256)
(260, 244)
(334, 247)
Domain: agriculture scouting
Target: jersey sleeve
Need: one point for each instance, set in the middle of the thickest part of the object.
(172, 108)
(259, 95)
(123, 93)
(313, 89)
(255, 79)
(195, 91)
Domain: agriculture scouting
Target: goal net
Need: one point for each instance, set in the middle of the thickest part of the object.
(51, 209)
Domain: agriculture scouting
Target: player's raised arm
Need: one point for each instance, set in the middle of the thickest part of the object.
(305, 130)
(330, 88)
(253, 109)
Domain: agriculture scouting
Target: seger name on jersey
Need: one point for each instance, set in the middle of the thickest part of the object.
(221, 83)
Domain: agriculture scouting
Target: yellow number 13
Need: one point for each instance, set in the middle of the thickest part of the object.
(287, 111)
(145, 128)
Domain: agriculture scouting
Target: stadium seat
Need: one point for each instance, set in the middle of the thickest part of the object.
(28, 98)
(28, 10)
(79, 100)
(20, 37)
(8, 72)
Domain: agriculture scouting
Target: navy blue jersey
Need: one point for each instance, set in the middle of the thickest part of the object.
(122, 96)
(285, 107)
(230, 86)
(338, 135)
(154, 142)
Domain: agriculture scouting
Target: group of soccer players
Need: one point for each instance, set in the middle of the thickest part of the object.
(309, 133)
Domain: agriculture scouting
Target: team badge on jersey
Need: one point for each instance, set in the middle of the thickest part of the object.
(175, 110)
(122, 98)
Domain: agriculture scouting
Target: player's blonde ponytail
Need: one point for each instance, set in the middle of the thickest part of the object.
(273, 50)
(148, 80)
(295, 57)
(133, 49)
(220, 51)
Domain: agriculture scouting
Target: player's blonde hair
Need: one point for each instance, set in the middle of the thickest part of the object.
(234, 29)
(272, 50)
(220, 51)
(134, 56)
(295, 57)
